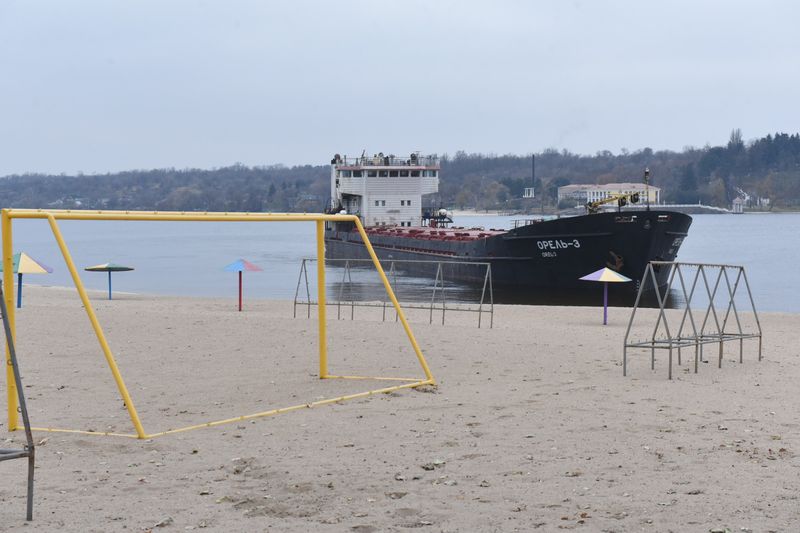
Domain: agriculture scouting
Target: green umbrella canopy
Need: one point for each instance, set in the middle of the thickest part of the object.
(25, 264)
(108, 267)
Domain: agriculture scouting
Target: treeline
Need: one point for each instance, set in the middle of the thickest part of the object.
(768, 167)
(234, 188)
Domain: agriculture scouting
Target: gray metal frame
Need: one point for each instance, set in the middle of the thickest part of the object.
(697, 338)
(391, 274)
(29, 449)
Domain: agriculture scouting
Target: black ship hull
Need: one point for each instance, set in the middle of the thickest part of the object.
(548, 255)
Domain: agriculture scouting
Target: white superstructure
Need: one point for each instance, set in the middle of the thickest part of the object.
(383, 190)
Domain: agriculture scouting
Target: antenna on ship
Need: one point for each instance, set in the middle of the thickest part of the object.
(647, 186)
(529, 192)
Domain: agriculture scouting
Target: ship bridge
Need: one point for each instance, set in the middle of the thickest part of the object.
(384, 190)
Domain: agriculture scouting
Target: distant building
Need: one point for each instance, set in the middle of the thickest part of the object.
(738, 205)
(583, 194)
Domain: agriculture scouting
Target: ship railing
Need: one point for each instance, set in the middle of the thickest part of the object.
(716, 287)
(445, 296)
(522, 222)
(412, 160)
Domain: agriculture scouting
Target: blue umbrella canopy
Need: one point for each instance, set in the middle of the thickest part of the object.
(240, 265)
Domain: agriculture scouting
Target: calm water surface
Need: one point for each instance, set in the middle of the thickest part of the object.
(187, 258)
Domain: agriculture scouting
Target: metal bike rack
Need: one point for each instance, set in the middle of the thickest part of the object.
(438, 301)
(29, 450)
(709, 332)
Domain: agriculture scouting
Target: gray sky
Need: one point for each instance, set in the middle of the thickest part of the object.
(108, 85)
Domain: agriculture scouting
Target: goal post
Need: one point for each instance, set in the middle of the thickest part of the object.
(53, 216)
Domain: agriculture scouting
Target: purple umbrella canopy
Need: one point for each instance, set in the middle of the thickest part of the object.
(606, 275)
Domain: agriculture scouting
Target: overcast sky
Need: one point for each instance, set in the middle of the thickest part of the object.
(108, 85)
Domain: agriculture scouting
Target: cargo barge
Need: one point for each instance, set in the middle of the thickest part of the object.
(386, 192)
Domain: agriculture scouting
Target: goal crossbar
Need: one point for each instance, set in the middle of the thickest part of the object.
(54, 215)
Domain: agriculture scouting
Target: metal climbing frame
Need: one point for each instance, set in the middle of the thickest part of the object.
(440, 303)
(708, 333)
(29, 450)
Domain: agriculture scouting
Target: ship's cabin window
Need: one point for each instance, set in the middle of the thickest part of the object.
(372, 173)
(429, 173)
(377, 203)
(415, 173)
(392, 173)
(404, 173)
(345, 173)
(356, 173)
(383, 203)
(408, 203)
(402, 202)
(383, 173)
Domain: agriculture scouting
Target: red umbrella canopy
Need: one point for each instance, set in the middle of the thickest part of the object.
(240, 265)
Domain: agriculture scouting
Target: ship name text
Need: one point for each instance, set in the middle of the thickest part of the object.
(555, 244)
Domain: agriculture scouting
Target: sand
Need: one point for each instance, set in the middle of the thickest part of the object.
(532, 426)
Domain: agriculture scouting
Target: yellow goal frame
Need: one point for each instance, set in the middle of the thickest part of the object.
(52, 216)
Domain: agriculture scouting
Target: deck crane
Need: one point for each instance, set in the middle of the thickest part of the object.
(621, 199)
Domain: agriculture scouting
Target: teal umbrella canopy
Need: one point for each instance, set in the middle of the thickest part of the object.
(25, 264)
(108, 267)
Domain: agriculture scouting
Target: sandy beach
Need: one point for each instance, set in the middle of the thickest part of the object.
(532, 425)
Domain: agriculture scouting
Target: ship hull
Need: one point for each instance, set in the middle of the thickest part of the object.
(549, 255)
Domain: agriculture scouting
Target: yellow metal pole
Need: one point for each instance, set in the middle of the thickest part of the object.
(123, 390)
(282, 410)
(176, 216)
(323, 341)
(396, 304)
(8, 294)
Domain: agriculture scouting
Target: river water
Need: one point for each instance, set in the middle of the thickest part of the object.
(187, 258)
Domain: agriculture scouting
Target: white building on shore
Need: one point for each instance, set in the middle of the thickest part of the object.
(583, 194)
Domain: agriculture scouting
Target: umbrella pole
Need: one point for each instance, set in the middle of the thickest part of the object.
(605, 303)
(109, 284)
(19, 290)
(240, 290)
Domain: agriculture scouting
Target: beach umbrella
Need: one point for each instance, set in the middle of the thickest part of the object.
(240, 265)
(606, 275)
(25, 264)
(108, 267)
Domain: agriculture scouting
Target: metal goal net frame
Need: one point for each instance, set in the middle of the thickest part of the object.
(53, 216)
